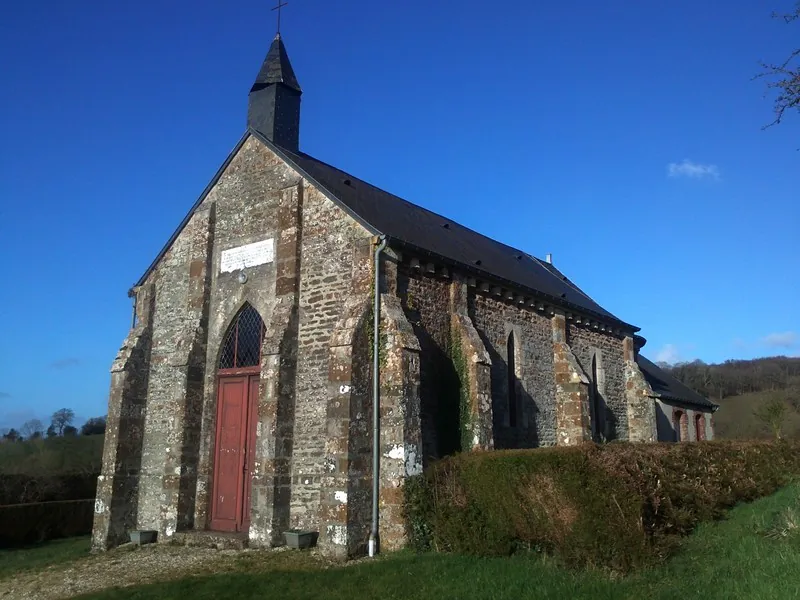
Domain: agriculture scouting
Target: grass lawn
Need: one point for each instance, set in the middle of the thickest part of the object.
(727, 559)
(15, 560)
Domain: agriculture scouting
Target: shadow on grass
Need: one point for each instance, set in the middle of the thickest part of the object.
(39, 556)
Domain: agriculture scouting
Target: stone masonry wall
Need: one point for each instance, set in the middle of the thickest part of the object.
(346, 494)
(251, 197)
(641, 407)
(116, 502)
(474, 366)
(271, 481)
(425, 299)
(401, 433)
(495, 319)
(193, 305)
(176, 362)
(573, 413)
(345, 480)
(334, 250)
(585, 342)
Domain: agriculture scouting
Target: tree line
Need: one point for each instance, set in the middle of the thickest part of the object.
(764, 394)
(60, 425)
(737, 377)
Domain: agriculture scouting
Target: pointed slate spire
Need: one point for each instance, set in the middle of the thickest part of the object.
(276, 67)
(274, 101)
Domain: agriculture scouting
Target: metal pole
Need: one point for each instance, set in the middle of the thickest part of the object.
(376, 401)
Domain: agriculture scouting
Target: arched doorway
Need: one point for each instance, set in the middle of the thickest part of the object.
(680, 422)
(237, 413)
(700, 427)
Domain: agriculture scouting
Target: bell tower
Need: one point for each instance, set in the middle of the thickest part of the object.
(274, 101)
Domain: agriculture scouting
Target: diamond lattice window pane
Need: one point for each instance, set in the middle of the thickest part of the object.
(242, 344)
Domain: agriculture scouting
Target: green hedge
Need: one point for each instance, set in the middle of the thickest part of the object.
(22, 524)
(18, 488)
(618, 506)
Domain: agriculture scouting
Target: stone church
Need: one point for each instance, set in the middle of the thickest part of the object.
(241, 399)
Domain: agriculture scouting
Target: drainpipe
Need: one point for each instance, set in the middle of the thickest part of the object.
(376, 400)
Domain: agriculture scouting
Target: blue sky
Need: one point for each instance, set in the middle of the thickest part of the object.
(623, 137)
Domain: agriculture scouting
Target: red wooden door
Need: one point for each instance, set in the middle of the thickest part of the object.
(252, 417)
(234, 450)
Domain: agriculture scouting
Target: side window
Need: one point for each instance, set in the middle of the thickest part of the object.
(512, 381)
(598, 409)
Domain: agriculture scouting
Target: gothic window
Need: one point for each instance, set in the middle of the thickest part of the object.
(242, 345)
(512, 382)
(596, 399)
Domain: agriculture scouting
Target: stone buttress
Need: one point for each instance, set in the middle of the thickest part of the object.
(116, 501)
(573, 425)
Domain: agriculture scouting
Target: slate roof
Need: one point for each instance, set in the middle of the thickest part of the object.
(276, 68)
(407, 224)
(414, 226)
(669, 388)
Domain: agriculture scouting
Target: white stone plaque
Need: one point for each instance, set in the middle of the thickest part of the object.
(249, 255)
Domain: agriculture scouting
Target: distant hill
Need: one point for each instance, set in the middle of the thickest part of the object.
(742, 387)
(735, 418)
(737, 377)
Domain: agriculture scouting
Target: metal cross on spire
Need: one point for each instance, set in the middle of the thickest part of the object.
(278, 8)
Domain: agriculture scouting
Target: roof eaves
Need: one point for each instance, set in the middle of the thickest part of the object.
(557, 273)
(707, 404)
(188, 216)
(555, 300)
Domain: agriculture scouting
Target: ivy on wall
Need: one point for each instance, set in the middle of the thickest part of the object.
(456, 353)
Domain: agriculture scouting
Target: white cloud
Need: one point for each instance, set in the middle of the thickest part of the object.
(693, 170)
(786, 339)
(65, 363)
(739, 344)
(668, 354)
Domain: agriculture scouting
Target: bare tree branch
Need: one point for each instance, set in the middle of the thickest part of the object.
(785, 76)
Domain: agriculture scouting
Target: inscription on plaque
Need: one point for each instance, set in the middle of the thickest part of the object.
(249, 255)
